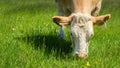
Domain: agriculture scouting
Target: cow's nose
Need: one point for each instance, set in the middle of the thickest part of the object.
(81, 55)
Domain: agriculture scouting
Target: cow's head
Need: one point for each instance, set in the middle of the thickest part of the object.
(81, 30)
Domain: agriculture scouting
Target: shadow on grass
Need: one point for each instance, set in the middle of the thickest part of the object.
(50, 44)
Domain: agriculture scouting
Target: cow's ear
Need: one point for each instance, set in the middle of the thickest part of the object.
(100, 20)
(62, 21)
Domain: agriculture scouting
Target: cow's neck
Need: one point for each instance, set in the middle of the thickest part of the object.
(82, 6)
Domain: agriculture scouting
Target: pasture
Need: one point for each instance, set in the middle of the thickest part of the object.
(29, 38)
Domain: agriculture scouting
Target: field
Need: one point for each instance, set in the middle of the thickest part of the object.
(29, 38)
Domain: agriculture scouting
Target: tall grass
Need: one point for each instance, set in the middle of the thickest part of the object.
(28, 37)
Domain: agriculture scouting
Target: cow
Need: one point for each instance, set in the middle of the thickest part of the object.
(81, 15)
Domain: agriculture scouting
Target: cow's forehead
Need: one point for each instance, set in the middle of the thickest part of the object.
(80, 19)
(81, 14)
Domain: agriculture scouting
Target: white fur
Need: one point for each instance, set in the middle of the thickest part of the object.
(82, 30)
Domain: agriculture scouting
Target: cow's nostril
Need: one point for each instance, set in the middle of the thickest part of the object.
(81, 55)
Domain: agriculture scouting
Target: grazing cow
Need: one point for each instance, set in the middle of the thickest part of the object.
(81, 15)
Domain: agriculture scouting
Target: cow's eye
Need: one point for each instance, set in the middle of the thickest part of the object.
(71, 34)
(81, 26)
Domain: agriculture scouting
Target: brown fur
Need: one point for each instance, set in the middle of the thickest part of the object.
(79, 6)
(91, 7)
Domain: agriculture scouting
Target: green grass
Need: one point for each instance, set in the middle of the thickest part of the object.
(28, 37)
